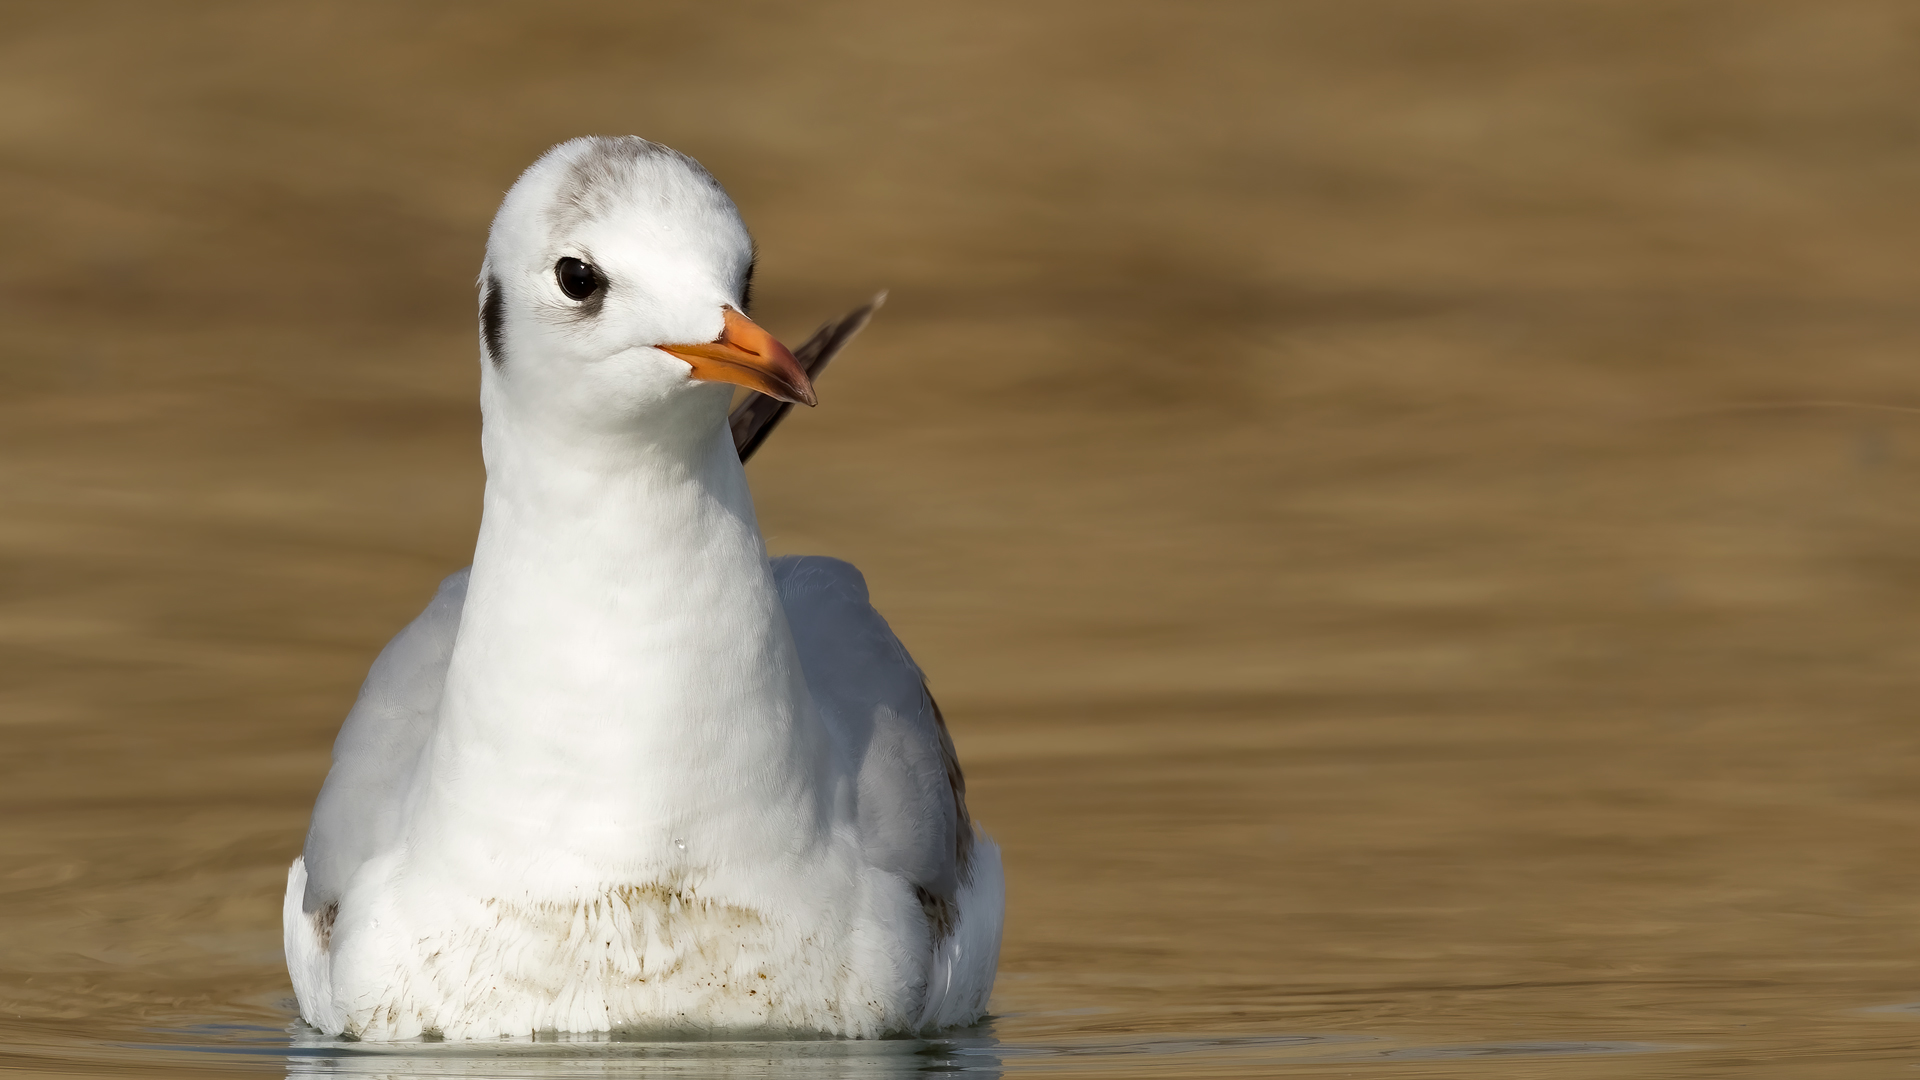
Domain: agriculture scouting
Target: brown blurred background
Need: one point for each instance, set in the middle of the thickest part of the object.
(1410, 507)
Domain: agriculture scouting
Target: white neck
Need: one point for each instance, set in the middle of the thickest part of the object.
(624, 698)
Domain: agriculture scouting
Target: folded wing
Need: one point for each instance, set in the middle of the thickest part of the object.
(358, 810)
(912, 797)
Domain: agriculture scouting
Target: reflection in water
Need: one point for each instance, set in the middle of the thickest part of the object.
(865, 1060)
(889, 1058)
(309, 1053)
(976, 1051)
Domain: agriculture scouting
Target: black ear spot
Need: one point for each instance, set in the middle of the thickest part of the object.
(493, 321)
(746, 286)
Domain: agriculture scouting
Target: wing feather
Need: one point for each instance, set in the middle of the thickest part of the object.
(912, 796)
(358, 809)
(755, 418)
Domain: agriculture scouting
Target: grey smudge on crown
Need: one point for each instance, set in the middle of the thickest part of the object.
(604, 171)
(493, 320)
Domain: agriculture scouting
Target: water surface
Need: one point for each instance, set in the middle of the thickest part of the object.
(1410, 509)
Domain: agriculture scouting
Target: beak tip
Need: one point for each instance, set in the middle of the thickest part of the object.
(745, 355)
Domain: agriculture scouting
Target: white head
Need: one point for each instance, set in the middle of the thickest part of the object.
(614, 293)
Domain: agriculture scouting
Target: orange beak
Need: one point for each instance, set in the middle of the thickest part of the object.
(748, 356)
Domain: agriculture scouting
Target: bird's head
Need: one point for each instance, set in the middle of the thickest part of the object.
(615, 290)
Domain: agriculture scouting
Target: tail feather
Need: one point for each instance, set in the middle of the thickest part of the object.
(965, 962)
(308, 961)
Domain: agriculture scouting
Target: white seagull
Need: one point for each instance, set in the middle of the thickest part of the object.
(625, 773)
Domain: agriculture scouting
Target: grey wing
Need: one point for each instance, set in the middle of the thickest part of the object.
(912, 797)
(358, 809)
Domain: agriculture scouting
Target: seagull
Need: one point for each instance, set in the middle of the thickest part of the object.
(626, 773)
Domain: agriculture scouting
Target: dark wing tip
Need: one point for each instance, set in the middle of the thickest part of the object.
(755, 418)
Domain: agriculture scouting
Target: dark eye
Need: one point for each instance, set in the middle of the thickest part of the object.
(577, 279)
